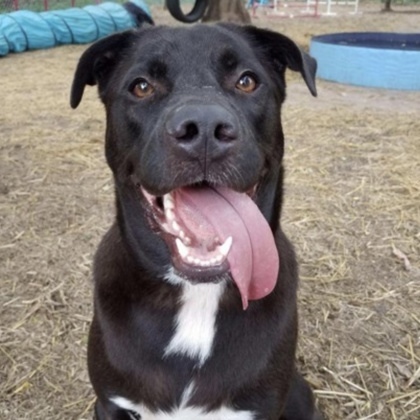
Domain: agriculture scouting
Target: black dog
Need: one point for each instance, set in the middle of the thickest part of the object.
(195, 318)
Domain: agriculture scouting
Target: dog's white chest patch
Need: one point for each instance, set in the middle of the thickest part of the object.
(195, 324)
(195, 329)
(183, 412)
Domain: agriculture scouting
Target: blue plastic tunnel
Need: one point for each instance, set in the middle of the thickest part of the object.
(25, 30)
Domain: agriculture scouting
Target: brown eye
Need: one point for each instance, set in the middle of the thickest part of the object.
(143, 88)
(246, 83)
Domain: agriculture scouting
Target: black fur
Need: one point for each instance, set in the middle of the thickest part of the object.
(252, 363)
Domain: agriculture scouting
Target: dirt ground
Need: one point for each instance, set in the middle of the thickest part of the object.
(351, 209)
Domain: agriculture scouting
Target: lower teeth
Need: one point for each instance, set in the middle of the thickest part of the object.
(203, 263)
(184, 252)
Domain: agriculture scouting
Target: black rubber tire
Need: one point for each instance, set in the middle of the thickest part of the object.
(196, 13)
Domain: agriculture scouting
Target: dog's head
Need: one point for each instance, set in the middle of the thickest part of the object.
(194, 137)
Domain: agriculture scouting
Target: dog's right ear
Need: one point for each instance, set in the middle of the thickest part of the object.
(280, 51)
(97, 62)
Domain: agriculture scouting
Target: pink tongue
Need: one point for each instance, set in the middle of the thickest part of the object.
(253, 258)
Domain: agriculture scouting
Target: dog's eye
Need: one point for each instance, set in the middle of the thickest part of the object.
(142, 88)
(246, 83)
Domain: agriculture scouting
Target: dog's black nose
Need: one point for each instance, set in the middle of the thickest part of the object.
(197, 128)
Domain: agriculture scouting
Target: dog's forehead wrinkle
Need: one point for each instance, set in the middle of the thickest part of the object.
(157, 68)
(157, 47)
(204, 42)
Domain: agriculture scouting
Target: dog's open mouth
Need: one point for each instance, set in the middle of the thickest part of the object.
(214, 230)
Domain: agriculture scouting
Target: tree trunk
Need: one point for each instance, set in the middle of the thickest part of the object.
(228, 11)
(387, 6)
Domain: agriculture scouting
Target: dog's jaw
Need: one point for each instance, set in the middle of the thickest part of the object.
(193, 258)
(190, 255)
(211, 231)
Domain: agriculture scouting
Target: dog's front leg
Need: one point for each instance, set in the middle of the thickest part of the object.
(300, 404)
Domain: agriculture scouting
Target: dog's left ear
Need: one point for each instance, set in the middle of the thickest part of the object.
(97, 62)
(282, 52)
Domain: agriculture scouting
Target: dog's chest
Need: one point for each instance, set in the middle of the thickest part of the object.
(194, 333)
(195, 323)
(182, 413)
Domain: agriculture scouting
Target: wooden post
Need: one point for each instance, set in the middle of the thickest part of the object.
(227, 10)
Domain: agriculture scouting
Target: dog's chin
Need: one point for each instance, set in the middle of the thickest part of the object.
(199, 250)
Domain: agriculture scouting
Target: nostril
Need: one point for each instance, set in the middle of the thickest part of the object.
(225, 132)
(190, 132)
(185, 131)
